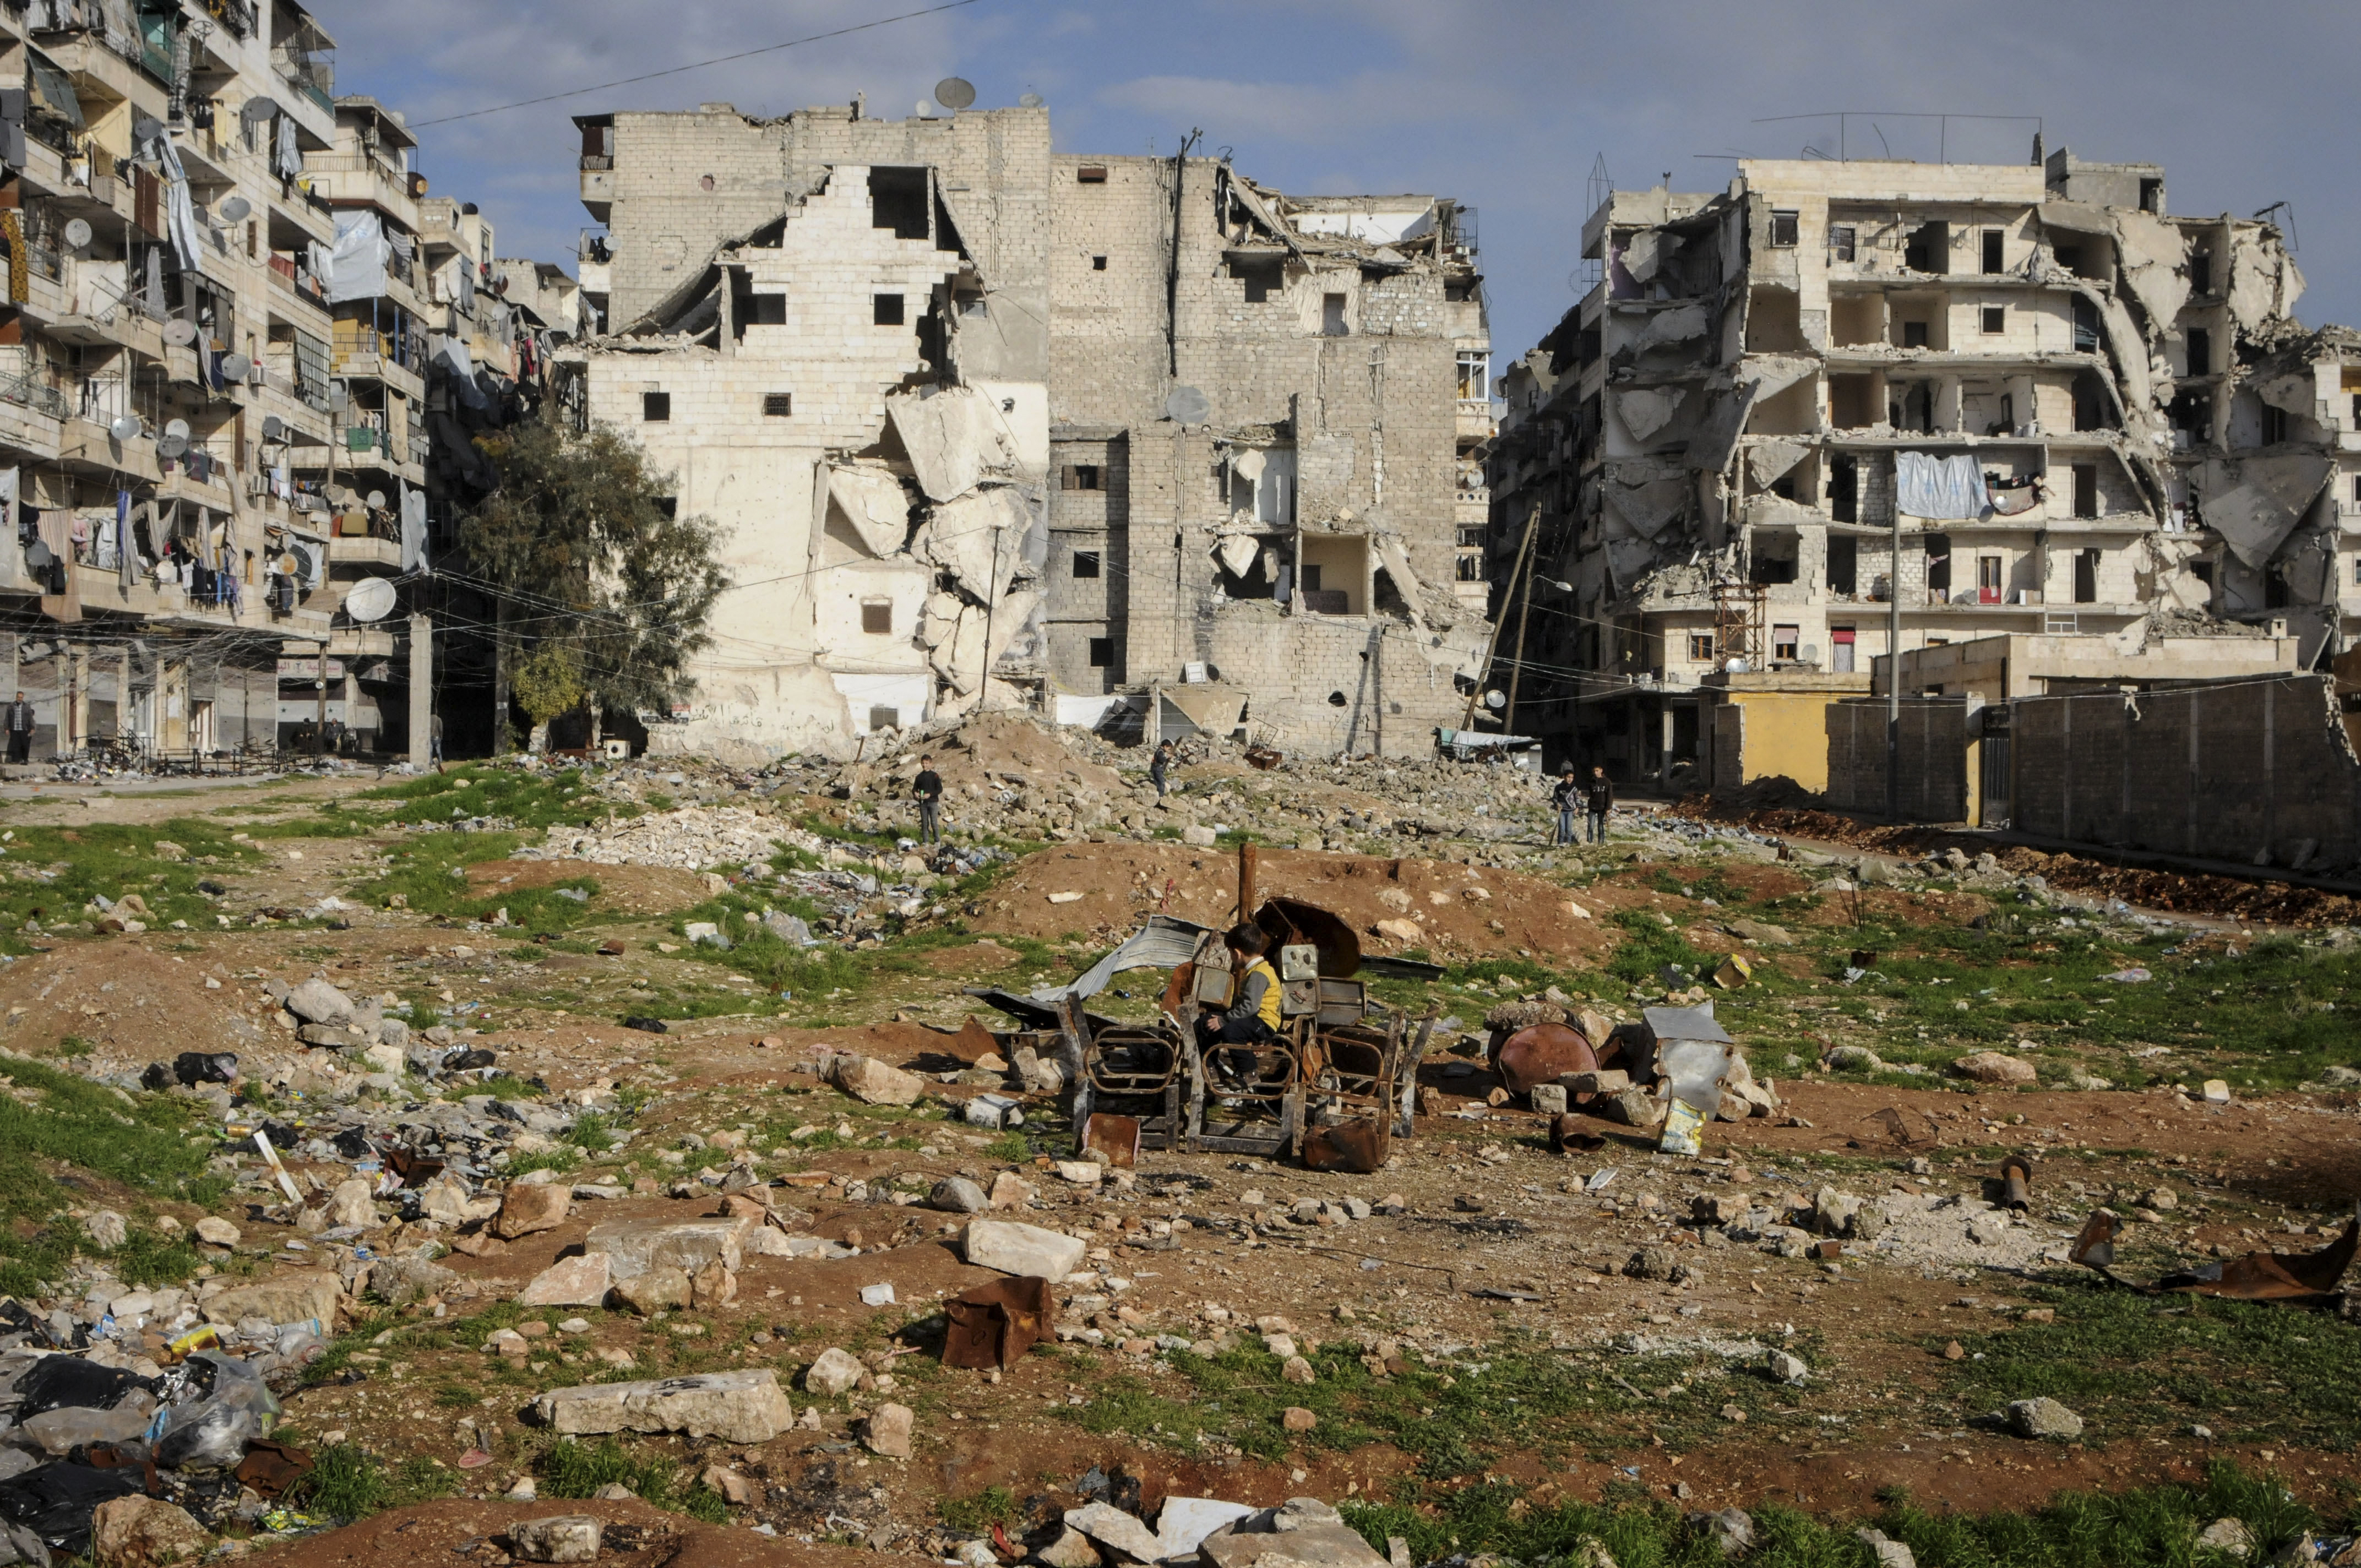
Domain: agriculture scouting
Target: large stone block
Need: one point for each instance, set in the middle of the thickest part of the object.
(570, 1282)
(635, 1246)
(287, 1298)
(1013, 1248)
(738, 1407)
(530, 1206)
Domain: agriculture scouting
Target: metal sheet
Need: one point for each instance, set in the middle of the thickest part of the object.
(995, 1324)
(1358, 1146)
(1165, 942)
(1539, 1055)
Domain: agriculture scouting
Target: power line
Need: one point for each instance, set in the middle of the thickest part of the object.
(699, 65)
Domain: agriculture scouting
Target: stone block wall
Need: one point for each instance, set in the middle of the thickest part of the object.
(1934, 751)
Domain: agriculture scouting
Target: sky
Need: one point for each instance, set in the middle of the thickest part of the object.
(1507, 106)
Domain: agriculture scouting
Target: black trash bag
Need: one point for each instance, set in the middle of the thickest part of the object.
(68, 1382)
(55, 1501)
(281, 1135)
(192, 1068)
(15, 1317)
(464, 1059)
(353, 1143)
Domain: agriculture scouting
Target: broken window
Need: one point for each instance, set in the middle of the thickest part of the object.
(1101, 652)
(2356, 490)
(2086, 326)
(1086, 563)
(1928, 248)
(760, 309)
(1913, 335)
(1701, 647)
(886, 310)
(885, 719)
(1772, 556)
(2086, 490)
(2152, 196)
(1331, 315)
(1098, 263)
(1081, 476)
(2275, 425)
(778, 405)
(1852, 404)
(1470, 566)
(1996, 319)
(1474, 376)
(1844, 491)
(1260, 275)
(898, 201)
(1784, 227)
(2192, 414)
(2201, 272)
(1995, 250)
(2201, 351)
(1840, 647)
(1844, 563)
(655, 407)
(2086, 577)
(877, 617)
(1938, 565)
(1843, 239)
(1988, 590)
(1091, 174)
(667, 506)
(1786, 642)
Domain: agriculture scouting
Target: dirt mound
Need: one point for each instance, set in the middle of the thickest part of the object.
(2264, 903)
(433, 1535)
(131, 1004)
(1777, 793)
(1458, 909)
(622, 890)
(990, 753)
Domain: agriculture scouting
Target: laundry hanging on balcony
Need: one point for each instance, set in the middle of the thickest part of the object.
(357, 263)
(1926, 486)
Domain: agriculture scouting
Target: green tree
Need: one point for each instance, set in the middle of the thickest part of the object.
(611, 595)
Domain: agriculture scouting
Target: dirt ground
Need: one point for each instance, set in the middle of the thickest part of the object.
(1474, 1202)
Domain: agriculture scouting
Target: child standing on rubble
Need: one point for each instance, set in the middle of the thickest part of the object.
(1253, 1015)
(1563, 795)
(929, 787)
(1158, 766)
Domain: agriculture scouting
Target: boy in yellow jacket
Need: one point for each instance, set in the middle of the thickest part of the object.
(1253, 1018)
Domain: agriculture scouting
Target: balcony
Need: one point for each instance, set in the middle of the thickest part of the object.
(357, 179)
(599, 187)
(306, 62)
(285, 283)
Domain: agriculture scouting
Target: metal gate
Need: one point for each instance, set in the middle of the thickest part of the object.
(1996, 789)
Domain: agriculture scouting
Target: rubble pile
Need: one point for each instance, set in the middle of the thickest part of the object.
(689, 839)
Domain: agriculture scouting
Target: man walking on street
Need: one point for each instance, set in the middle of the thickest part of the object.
(1599, 795)
(1563, 795)
(929, 787)
(20, 729)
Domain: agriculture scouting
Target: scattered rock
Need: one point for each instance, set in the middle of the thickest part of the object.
(635, 1246)
(317, 1001)
(1786, 1368)
(886, 1432)
(528, 1207)
(566, 1538)
(580, 1281)
(2043, 1418)
(145, 1533)
(1995, 1067)
(835, 1373)
(2228, 1536)
(1297, 1419)
(872, 1082)
(215, 1231)
(663, 1288)
(1885, 1553)
(738, 1407)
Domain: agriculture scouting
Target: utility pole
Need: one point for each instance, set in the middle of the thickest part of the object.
(1492, 643)
(422, 690)
(500, 675)
(320, 684)
(1894, 675)
(1524, 614)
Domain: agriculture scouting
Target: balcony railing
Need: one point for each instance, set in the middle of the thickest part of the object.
(39, 396)
(309, 66)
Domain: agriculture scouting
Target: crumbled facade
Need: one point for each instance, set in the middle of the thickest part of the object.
(983, 426)
(2063, 391)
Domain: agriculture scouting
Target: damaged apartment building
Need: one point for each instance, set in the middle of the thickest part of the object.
(1131, 442)
(2089, 419)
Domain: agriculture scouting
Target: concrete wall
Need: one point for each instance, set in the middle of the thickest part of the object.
(1933, 748)
(2238, 771)
(1761, 735)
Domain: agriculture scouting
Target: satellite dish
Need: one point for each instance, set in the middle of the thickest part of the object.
(1030, 101)
(1811, 653)
(272, 430)
(376, 501)
(178, 429)
(1736, 667)
(1496, 699)
(127, 428)
(236, 368)
(257, 110)
(236, 209)
(371, 599)
(923, 109)
(146, 129)
(1187, 405)
(954, 93)
(286, 566)
(180, 331)
(171, 446)
(78, 233)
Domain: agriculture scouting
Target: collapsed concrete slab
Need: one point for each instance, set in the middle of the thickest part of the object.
(737, 1407)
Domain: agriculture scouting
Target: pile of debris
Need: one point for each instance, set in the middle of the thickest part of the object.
(689, 839)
